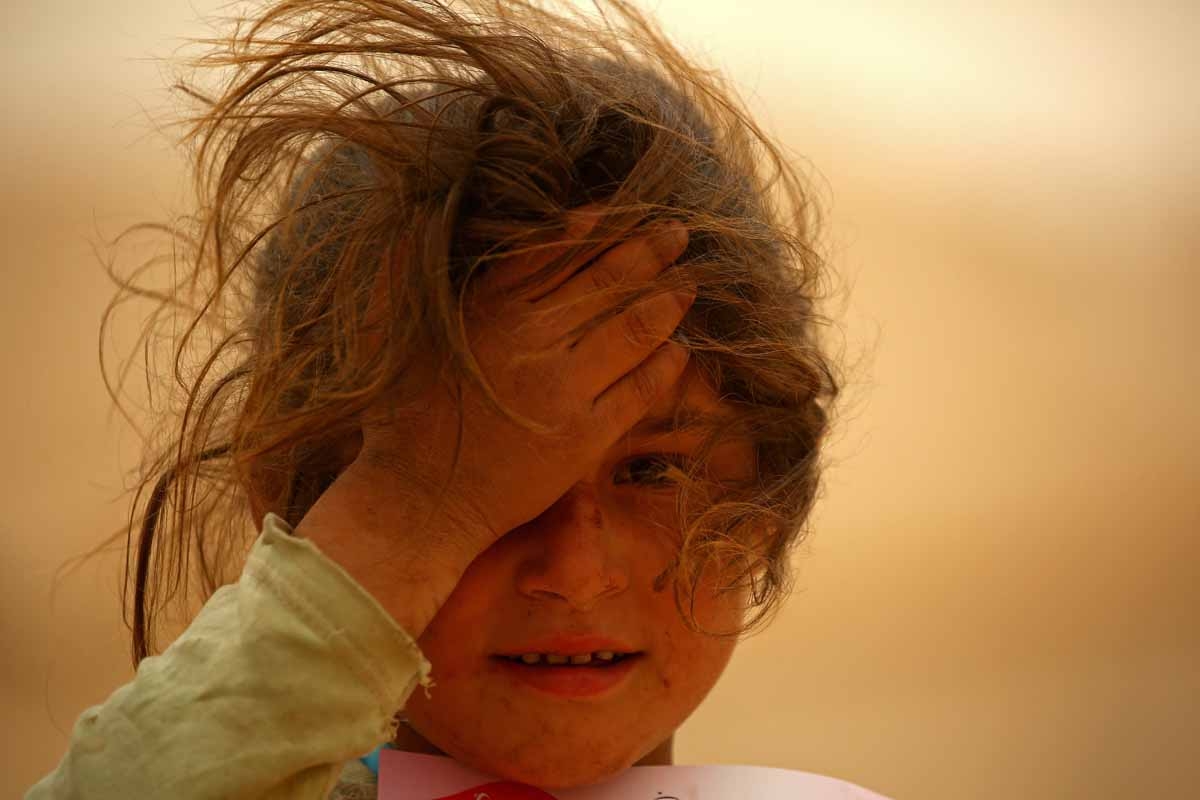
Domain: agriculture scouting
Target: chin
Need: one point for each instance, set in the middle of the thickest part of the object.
(551, 769)
(558, 776)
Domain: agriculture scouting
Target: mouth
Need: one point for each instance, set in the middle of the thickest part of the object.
(597, 659)
(573, 676)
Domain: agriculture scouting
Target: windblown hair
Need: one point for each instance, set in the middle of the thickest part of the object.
(345, 136)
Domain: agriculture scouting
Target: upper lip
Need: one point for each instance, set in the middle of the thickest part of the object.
(569, 645)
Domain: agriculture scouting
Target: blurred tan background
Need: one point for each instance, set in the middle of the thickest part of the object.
(1001, 599)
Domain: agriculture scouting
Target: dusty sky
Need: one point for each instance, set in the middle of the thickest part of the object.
(1000, 596)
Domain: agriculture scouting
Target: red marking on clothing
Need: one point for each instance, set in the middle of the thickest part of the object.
(501, 790)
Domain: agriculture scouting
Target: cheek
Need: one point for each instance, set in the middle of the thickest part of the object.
(695, 663)
(679, 682)
(454, 639)
(692, 661)
(697, 659)
(654, 522)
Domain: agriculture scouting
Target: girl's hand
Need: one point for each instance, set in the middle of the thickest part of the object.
(589, 388)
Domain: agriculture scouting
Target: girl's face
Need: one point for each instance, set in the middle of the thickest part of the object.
(580, 579)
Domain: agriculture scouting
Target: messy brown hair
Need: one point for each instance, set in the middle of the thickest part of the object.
(343, 136)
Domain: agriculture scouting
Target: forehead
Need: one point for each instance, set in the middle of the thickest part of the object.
(690, 390)
(690, 399)
(683, 414)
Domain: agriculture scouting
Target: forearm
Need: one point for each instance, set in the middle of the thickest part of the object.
(405, 550)
(280, 679)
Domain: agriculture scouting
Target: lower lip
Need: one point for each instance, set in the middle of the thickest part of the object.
(570, 681)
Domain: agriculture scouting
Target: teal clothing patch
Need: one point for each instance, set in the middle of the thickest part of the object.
(371, 759)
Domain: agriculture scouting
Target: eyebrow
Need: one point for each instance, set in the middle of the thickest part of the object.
(688, 419)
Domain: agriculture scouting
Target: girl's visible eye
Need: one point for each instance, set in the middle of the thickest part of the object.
(650, 470)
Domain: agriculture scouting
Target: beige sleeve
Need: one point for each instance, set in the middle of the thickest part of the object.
(280, 679)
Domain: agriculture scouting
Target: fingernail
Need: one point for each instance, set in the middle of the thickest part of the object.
(674, 234)
(679, 234)
(685, 298)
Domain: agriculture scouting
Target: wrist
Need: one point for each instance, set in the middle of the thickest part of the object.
(395, 544)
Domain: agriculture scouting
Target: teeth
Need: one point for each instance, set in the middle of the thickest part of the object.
(607, 656)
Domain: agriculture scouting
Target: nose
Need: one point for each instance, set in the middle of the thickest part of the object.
(574, 555)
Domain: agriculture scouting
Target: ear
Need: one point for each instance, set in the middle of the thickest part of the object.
(348, 449)
(258, 510)
(339, 455)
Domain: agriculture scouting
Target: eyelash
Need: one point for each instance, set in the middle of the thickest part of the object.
(661, 458)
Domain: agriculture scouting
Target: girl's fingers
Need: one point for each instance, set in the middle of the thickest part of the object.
(609, 352)
(602, 285)
(499, 281)
(620, 406)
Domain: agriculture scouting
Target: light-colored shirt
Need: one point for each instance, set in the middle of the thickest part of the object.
(274, 690)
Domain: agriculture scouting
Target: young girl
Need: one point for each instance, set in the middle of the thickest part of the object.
(517, 393)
